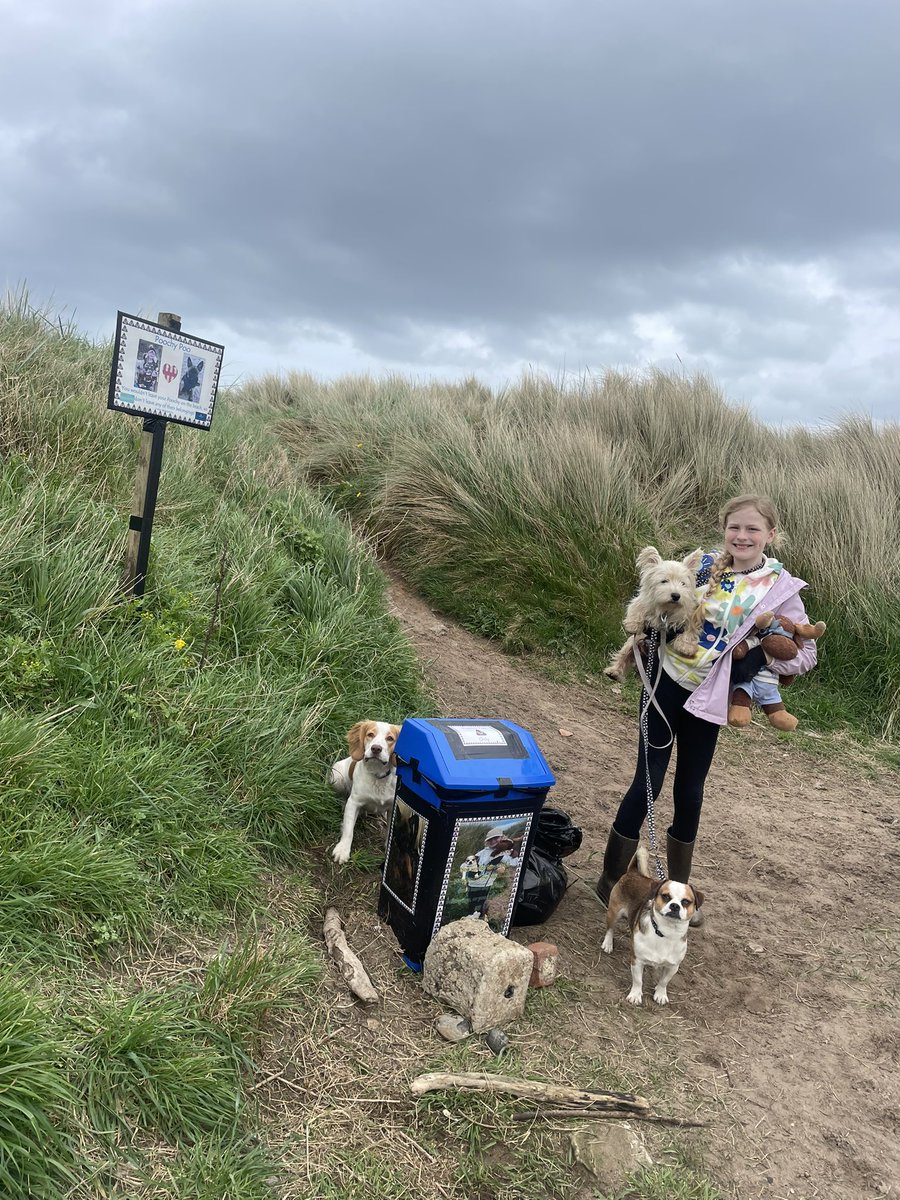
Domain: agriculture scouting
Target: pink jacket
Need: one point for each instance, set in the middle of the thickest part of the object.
(710, 699)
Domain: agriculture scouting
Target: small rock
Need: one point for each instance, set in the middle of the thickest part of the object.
(754, 949)
(497, 1041)
(438, 628)
(453, 1027)
(565, 733)
(546, 964)
(611, 1153)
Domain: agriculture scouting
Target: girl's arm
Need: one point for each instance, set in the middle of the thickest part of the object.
(807, 654)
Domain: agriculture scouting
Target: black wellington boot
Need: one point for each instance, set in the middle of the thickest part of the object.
(619, 853)
(679, 855)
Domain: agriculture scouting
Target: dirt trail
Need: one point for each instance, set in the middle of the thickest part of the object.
(785, 1018)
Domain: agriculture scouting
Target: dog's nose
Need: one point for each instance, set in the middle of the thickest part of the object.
(676, 595)
(375, 749)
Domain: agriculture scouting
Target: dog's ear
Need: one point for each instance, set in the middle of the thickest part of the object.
(356, 739)
(698, 896)
(648, 557)
(692, 560)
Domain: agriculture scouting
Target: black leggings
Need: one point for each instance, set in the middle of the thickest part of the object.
(696, 742)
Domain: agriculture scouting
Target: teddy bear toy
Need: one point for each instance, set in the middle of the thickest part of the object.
(780, 638)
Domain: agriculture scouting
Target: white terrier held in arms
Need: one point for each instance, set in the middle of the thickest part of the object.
(666, 601)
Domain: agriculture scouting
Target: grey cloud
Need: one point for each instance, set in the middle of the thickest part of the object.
(505, 171)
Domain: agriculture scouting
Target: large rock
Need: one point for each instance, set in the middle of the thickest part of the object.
(478, 973)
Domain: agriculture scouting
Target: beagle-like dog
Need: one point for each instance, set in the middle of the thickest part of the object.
(367, 777)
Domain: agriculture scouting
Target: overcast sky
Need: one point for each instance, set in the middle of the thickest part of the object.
(446, 187)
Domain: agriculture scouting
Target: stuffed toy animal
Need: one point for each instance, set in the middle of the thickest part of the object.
(780, 638)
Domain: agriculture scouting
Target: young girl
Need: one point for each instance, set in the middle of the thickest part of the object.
(694, 692)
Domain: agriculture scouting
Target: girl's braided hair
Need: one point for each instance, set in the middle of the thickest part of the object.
(724, 561)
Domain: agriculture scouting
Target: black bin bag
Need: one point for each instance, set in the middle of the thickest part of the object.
(545, 879)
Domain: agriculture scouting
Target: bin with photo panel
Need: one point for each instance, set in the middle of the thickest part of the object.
(461, 825)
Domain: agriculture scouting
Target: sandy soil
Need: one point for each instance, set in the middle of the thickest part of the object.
(784, 1024)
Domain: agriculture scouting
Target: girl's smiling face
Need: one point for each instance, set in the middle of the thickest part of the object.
(746, 535)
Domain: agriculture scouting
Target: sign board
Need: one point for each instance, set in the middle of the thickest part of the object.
(159, 373)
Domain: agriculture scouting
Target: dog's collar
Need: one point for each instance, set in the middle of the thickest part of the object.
(387, 772)
(656, 928)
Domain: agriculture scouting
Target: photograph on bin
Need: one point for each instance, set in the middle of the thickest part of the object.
(403, 861)
(483, 871)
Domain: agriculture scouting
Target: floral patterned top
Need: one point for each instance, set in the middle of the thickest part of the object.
(723, 612)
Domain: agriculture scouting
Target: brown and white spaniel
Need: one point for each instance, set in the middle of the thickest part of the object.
(367, 777)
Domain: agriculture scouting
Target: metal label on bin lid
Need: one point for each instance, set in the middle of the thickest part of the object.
(479, 735)
(481, 739)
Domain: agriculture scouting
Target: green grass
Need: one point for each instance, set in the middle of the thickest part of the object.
(160, 760)
(37, 1156)
(245, 984)
(144, 1064)
(212, 1171)
(684, 1178)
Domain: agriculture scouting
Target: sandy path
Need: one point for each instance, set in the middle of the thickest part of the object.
(785, 1018)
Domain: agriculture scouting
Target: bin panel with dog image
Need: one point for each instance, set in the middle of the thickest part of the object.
(461, 825)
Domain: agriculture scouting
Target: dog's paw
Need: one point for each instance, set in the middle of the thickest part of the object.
(685, 645)
(661, 996)
(607, 944)
(613, 674)
(341, 854)
(634, 996)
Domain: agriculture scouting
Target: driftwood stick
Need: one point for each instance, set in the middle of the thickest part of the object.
(558, 1093)
(606, 1114)
(351, 968)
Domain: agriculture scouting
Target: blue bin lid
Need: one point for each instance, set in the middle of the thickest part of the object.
(472, 754)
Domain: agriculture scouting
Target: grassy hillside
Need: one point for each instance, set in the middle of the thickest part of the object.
(521, 512)
(158, 760)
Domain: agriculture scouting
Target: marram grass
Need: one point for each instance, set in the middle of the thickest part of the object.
(521, 512)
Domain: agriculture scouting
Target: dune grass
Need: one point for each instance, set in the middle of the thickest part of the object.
(521, 512)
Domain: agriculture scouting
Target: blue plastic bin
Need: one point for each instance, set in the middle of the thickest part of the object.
(461, 825)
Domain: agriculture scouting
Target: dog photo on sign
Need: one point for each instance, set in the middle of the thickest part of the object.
(191, 379)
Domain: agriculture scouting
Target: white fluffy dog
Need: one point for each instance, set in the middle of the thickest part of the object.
(667, 601)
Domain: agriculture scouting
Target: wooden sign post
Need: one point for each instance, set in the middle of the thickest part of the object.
(162, 375)
(146, 485)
